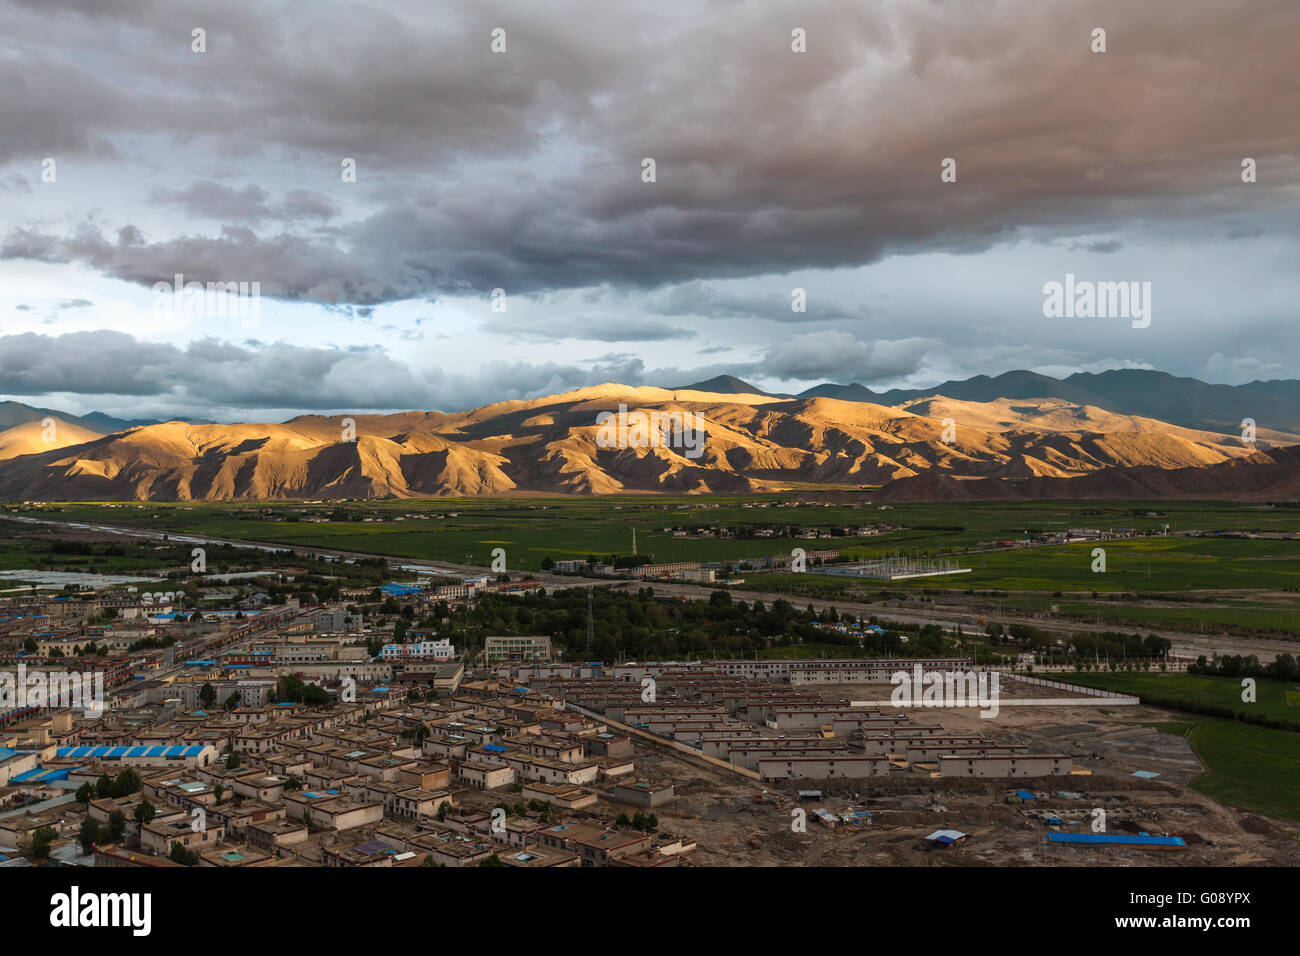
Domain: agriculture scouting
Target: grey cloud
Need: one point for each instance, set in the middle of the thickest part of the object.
(208, 199)
(221, 374)
(522, 170)
(839, 356)
(288, 266)
(590, 328)
(1101, 246)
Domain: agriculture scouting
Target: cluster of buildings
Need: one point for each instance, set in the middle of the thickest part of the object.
(493, 772)
(274, 736)
(767, 718)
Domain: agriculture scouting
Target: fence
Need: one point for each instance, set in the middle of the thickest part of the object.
(1075, 688)
(664, 741)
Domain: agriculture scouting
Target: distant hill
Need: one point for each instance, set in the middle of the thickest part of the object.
(16, 413)
(108, 424)
(845, 393)
(1273, 475)
(33, 437)
(1187, 402)
(723, 385)
(748, 442)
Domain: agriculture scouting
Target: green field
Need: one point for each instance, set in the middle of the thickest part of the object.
(530, 529)
(1231, 615)
(1253, 768)
(1173, 690)
(1246, 765)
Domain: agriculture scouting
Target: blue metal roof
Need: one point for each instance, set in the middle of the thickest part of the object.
(1114, 839)
(76, 753)
(42, 775)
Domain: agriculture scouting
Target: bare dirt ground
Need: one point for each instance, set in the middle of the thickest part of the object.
(718, 810)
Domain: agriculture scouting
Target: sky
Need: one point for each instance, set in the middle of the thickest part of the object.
(504, 238)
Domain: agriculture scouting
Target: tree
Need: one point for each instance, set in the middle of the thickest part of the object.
(207, 695)
(493, 860)
(144, 812)
(183, 856)
(126, 783)
(38, 845)
(232, 760)
(116, 825)
(231, 702)
(88, 836)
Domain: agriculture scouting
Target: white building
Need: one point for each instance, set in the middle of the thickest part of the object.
(425, 650)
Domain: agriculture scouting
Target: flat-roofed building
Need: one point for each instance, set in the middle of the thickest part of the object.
(643, 793)
(840, 766)
(564, 796)
(329, 812)
(508, 648)
(538, 856)
(1005, 765)
(276, 836)
(485, 776)
(158, 836)
(161, 757)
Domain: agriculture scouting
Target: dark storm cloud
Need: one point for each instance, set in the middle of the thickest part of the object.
(211, 373)
(522, 170)
(1101, 246)
(207, 199)
(839, 356)
(288, 266)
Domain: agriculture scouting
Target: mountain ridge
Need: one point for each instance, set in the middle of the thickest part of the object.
(737, 442)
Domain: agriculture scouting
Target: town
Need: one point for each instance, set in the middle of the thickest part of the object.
(262, 729)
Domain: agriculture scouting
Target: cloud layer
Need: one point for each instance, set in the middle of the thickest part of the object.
(523, 171)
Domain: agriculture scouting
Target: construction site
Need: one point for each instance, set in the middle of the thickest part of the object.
(765, 773)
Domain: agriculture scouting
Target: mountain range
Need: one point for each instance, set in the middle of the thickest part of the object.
(1180, 401)
(1123, 434)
